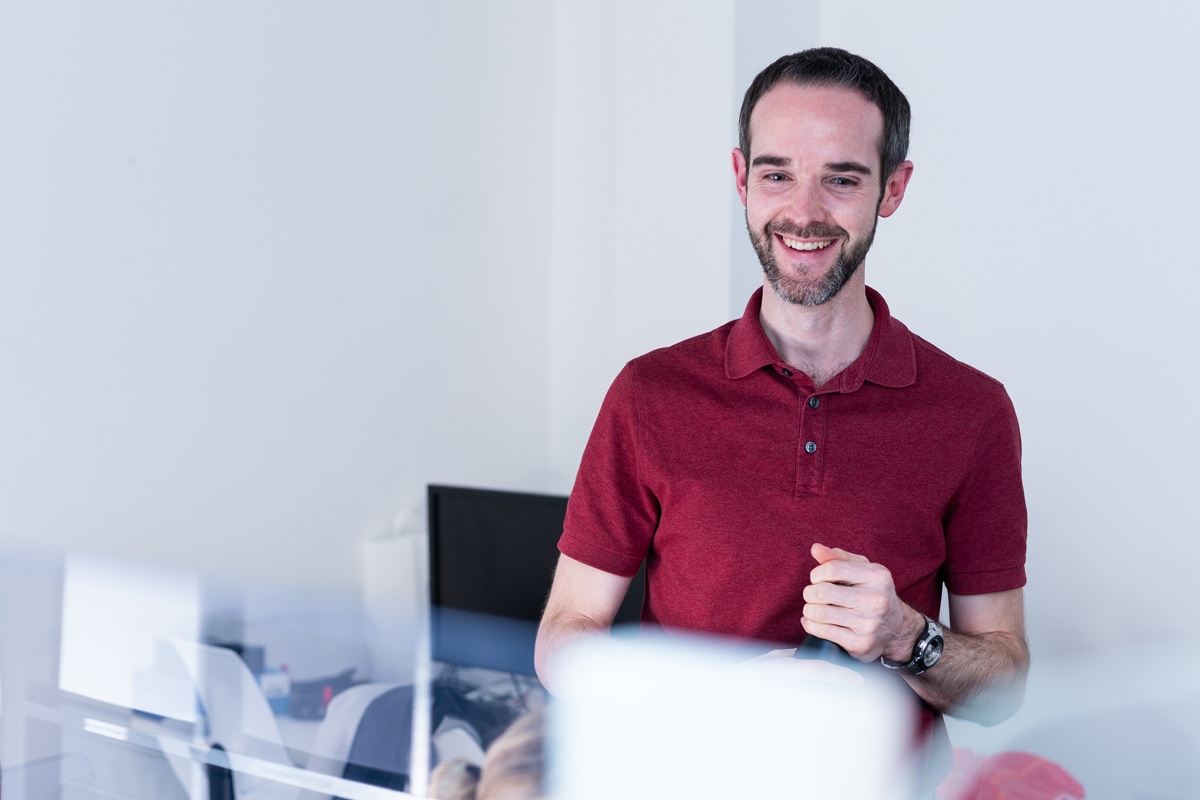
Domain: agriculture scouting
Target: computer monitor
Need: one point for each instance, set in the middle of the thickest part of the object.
(491, 562)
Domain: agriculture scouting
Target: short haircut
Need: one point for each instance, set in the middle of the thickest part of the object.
(831, 66)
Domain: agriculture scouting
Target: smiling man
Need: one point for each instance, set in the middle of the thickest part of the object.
(812, 468)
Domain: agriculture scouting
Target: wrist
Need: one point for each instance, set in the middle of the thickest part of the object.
(901, 647)
(926, 651)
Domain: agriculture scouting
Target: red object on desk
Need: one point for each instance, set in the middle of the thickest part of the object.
(1011, 775)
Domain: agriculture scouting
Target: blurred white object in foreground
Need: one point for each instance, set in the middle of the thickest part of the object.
(658, 717)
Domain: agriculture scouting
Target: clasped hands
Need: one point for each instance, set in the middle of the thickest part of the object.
(852, 602)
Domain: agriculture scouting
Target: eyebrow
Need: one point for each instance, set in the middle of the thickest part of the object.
(771, 161)
(837, 166)
(849, 166)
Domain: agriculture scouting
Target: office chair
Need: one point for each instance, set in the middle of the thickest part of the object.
(238, 722)
(237, 719)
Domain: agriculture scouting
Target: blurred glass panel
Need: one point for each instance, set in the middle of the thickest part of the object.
(682, 716)
(128, 679)
(117, 619)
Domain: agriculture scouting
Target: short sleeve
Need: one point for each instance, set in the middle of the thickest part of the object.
(986, 523)
(612, 515)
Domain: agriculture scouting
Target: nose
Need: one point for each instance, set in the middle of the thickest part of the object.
(806, 204)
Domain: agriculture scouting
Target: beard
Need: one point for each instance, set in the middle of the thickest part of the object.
(816, 291)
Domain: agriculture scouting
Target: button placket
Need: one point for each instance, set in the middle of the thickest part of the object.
(811, 454)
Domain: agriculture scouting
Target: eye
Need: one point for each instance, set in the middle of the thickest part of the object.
(843, 182)
(775, 177)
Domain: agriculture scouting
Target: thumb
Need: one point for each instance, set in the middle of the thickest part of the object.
(823, 554)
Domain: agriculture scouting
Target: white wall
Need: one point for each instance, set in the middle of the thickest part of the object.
(267, 269)
(641, 234)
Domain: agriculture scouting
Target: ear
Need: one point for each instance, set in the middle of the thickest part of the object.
(893, 190)
(740, 173)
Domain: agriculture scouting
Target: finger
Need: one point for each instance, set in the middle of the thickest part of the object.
(818, 614)
(822, 628)
(824, 554)
(833, 594)
(850, 573)
(850, 628)
(855, 644)
(851, 621)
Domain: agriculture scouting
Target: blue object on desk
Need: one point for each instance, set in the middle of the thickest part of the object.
(276, 686)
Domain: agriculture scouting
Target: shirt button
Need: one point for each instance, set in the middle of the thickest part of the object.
(787, 372)
(813, 402)
(811, 447)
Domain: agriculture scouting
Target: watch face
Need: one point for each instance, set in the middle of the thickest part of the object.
(933, 651)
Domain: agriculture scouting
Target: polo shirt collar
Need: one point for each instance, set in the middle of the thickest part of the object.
(889, 359)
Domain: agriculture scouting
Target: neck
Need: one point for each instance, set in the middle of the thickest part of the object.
(823, 340)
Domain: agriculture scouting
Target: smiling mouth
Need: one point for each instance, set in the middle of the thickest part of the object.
(794, 244)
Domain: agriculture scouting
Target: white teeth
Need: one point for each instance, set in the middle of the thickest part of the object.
(793, 244)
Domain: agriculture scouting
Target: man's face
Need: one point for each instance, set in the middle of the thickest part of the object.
(812, 188)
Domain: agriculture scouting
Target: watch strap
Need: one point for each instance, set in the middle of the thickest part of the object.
(917, 664)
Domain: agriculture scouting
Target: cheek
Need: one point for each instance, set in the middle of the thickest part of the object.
(858, 218)
(757, 223)
(760, 210)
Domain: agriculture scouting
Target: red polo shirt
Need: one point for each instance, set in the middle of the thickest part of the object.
(721, 465)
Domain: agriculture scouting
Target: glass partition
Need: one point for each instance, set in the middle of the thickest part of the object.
(122, 679)
(135, 680)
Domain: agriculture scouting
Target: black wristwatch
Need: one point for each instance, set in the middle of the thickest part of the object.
(926, 651)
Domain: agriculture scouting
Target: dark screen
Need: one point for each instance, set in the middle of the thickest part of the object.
(493, 553)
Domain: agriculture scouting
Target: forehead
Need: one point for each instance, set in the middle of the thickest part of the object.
(790, 120)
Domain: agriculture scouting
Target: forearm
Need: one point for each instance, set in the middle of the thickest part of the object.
(980, 676)
(555, 635)
(583, 600)
(981, 673)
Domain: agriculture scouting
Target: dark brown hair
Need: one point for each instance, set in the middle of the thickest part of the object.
(830, 66)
